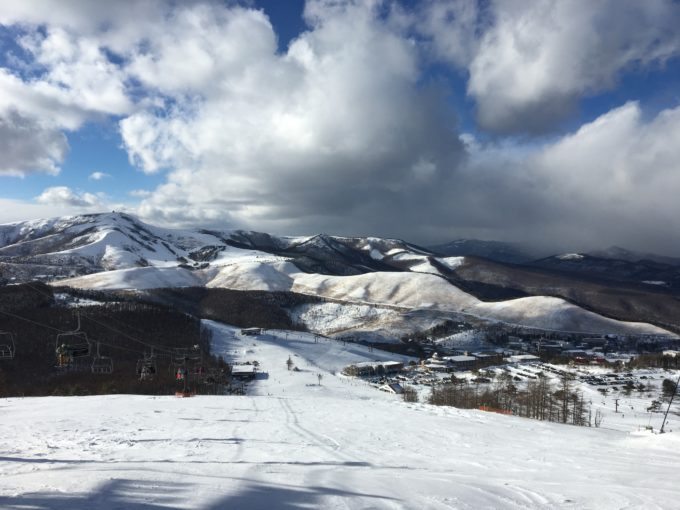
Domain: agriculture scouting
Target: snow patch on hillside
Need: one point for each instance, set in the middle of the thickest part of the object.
(571, 256)
(332, 318)
(138, 278)
(423, 263)
(469, 340)
(254, 275)
(115, 258)
(452, 262)
(556, 313)
(397, 289)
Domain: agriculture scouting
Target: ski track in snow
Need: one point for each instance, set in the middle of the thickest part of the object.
(292, 443)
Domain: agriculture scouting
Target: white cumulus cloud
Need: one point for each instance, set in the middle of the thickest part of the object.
(611, 182)
(335, 130)
(98, 176)
(530, 62)
(541, 57)
(65, 196)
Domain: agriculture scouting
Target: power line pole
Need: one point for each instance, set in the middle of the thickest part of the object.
(669, 406)
(616, 403)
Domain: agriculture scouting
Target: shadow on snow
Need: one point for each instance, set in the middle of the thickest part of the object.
(142, 495)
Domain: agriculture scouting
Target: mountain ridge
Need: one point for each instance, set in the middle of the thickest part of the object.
(118, 251)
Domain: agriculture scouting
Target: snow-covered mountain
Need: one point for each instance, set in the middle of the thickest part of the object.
(117, 251)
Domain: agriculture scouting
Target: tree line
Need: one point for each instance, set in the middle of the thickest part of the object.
(126, 333)
(540, 399)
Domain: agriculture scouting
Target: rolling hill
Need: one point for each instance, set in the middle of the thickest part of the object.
(116, 251)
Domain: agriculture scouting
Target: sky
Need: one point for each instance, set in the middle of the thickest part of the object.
(550, 123)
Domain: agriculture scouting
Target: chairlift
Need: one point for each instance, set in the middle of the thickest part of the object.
(198, 369)
(182, 376)
(199, 372)
(102, 364)
(181, 355)
(215, 376)
(71, 345)
(146, 367)
(7, 345)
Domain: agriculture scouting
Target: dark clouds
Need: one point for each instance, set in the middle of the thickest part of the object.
(338, 134)
(26, 145)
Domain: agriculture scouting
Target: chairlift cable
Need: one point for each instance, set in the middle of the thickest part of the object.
(93, 320)
(164, 351)
(152, 346)
(169, 351)
(44, 293)
(62, 331)
(32, 321)
(113, 346)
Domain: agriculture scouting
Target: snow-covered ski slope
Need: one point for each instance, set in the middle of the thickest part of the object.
(292, 444)
(121, 252)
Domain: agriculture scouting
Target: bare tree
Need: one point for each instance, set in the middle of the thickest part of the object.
(564, 395)
(598, 418)
(410, 394)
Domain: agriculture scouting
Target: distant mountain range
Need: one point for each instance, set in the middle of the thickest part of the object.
(640, 271)
(380, 284)
(614, 263)
(614, 252)
(492, 250)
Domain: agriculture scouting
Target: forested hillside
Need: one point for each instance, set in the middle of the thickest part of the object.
(119, 337)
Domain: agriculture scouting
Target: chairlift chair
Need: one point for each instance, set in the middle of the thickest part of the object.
(199, 372)
(181, 355)
(73, 344)
(215, 376)
(146, 367)
(181, 374)
(102, 364)
(7, 345)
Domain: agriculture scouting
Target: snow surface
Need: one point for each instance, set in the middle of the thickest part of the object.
(291, 443)
(571, 256)
(633, 413)
(333, 318)
(468, 340)
(137, 278)
(452, 262)
(404, 289)
(255, 275)
(375, 254)
(364, 322)
(557, 314)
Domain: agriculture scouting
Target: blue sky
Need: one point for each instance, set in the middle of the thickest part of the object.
(497, 120)
(93, 148)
